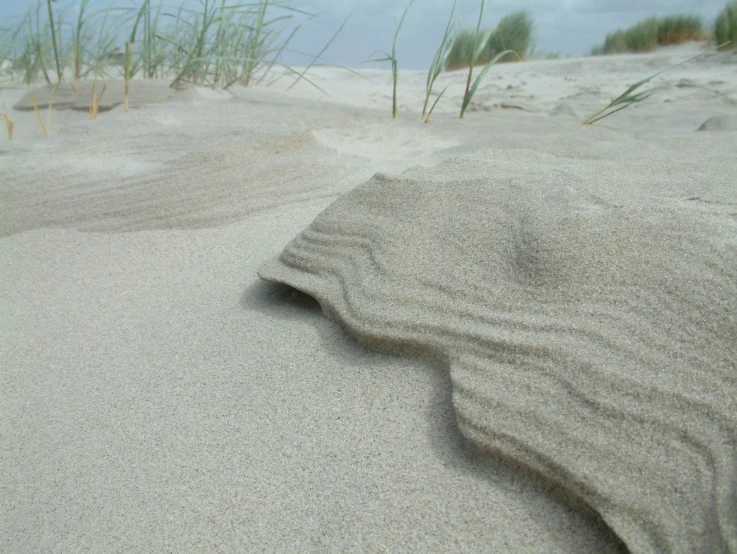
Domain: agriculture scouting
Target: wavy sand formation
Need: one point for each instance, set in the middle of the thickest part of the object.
(579, 282)
(588, 321)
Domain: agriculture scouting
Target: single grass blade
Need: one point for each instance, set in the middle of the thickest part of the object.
(278, 54)
(473, 55)
(9, 123)
(393, 59)
(395, 70)
(427, 119)
(301, 75)
(95, 99)
(38, 116)
(727, 98)
(438, 61)
(59, 75)
(471, 91)
(129, 53)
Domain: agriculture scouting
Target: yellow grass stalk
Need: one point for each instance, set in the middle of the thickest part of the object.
(9, 123)
(95, 99)
(38, 115)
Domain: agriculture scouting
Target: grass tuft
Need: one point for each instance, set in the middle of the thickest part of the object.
(629, 97)
(648, 34)
(680, 28)
(221, 43)
(461, 51)
(514, 32)
(725, 26)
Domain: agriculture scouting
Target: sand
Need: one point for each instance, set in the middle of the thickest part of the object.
(531, 326)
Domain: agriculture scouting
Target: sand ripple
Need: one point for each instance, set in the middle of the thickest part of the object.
(589, 325)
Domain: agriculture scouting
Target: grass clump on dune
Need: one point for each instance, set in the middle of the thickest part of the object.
(462, 50)
(480, 45)
(216, 43)
(648, 34)
(680, 28)
(222, 44)
(725, 26)
(630, 96)
(514, 32)
(46, 43)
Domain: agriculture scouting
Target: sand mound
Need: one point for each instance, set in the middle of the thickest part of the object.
(588, 322)
(719, 123)
(108, 92)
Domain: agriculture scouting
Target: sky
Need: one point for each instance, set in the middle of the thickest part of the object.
(565, 27)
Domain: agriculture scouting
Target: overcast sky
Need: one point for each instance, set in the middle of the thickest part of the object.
(567, 27)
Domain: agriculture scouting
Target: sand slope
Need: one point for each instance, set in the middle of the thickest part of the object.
(578, 282)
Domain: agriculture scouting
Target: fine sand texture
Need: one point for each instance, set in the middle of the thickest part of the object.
(531, 332)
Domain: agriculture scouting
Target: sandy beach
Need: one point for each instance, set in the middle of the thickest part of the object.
(267, 320)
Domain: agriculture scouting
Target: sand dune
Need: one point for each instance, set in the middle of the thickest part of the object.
(546, 314)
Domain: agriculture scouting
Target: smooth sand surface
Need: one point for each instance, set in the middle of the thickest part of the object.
(545, 315)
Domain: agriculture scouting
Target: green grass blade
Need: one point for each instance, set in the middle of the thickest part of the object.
(395, 70)
(727, 98)
(59, 74)
(477, 82)
(427, 119)
(627, 97)
(321, 51)
(438, 61)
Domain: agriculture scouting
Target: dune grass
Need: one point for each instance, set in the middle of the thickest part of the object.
(54, 42)
(393, 59)
(461, 51)
(629, 96)
(218, 43)
(9, 124)
(438, 63)
(648, 34)
(95, 99)
(514, 32)
(38, 115)
(725, 26)
(318, 56)
(480, 46)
